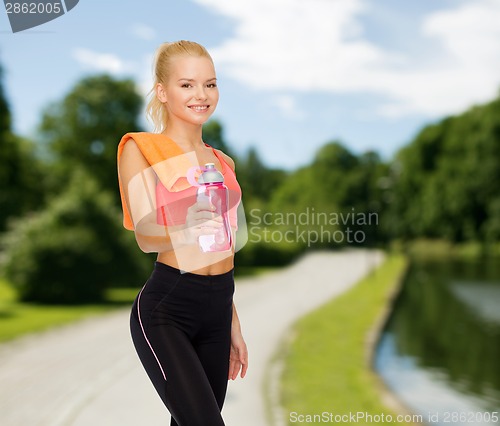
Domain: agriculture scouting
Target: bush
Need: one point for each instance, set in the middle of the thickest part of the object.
(73, 250)
(268, 254)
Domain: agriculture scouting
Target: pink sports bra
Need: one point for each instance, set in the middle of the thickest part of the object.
(171, 207)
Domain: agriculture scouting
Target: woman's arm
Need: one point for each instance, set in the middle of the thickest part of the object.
(138, 185)
(238, 358)
(235, 326)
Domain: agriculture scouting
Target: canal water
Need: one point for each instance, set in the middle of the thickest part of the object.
(440, 351)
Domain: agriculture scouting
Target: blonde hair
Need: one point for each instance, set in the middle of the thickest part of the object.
(155, 110)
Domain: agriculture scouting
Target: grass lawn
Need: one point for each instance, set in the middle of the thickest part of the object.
(253, 271)
(326, 369)
(19, 318)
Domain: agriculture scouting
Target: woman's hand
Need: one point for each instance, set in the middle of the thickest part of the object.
(238, 358)
(201, 219)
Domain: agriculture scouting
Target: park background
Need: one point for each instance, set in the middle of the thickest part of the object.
(387, 110)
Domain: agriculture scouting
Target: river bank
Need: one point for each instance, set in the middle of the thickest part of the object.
(328, 356)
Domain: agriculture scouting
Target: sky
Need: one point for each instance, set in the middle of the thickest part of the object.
(292, 74)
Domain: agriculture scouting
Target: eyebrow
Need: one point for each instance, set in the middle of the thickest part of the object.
(192, 79)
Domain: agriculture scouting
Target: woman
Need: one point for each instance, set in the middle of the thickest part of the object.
(184, 324)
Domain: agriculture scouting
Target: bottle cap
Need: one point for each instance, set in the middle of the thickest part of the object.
(210, 174)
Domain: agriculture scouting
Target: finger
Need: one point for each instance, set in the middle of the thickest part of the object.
(244, 370)
(205, 215)
(203, 205)
(244, 363)
(204, 218)
(235, 369)
(202, 226)
(210, 227)
(231, 367)
(237, 366)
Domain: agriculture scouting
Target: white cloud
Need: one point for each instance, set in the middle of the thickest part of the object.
(288, 106)
(100, 61)
(293, 44)
(319, 45)
(143, 32)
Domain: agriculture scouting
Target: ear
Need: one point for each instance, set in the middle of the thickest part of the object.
(160, 93)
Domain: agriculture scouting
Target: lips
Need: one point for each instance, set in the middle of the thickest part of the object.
(199, 108)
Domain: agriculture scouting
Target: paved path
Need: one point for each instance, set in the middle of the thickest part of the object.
(88, 374)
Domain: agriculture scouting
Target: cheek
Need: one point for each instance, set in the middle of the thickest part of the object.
(215, 96)
(179, 100)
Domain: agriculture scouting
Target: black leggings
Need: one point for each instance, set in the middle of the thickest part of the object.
(181, 329)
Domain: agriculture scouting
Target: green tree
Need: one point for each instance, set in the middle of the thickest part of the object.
(258, 181)
(213, 134)
(5, 117)
(84, 128)
(338, 191)
(446, 180)
(74, 249)
(20, 176)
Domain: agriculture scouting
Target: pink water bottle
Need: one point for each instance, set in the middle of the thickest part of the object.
(211, 188)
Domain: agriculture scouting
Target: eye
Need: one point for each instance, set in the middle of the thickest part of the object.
(211, 85)
(186, 85)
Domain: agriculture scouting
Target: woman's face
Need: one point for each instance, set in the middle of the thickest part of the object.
(191, 93)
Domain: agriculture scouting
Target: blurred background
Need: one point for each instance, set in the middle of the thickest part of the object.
(379, 122)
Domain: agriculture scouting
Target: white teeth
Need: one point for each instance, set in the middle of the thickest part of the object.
(199, 108)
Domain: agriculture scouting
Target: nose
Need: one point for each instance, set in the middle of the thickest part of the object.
(200, 93)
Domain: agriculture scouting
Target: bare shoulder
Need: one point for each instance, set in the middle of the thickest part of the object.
(130, 150)
(227, 159)
(132, 155)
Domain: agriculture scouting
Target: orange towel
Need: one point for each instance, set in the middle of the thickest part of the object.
(157, 149)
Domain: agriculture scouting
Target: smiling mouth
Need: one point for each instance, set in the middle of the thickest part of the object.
(199, 108)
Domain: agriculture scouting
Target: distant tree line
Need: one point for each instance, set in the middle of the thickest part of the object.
(60, 219)
(445, 184)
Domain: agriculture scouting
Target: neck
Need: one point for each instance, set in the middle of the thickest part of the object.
(188, 137)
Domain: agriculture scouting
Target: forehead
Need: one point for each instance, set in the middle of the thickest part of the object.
(192, 67)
